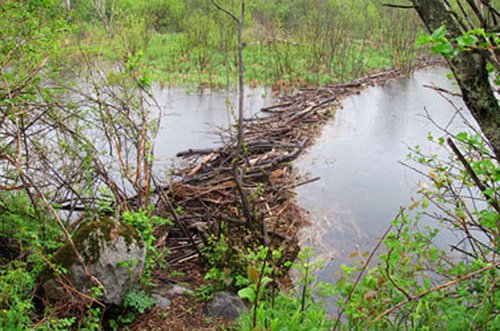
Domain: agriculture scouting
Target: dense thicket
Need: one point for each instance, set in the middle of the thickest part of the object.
(299, 41)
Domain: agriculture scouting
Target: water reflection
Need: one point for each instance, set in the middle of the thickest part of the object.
(362, 189)
(190, 118)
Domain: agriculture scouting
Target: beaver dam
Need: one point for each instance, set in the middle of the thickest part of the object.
(203, 198)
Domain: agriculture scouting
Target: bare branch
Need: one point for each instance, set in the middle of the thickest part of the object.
(225, 11)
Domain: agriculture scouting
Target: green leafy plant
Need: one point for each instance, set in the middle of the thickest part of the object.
(237, 270)
(145, 223)
(16, 307)
(92, 320)
(287, 310)
(138, 301)
(474, 39)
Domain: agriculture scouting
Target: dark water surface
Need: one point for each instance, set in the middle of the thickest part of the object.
(362, 184)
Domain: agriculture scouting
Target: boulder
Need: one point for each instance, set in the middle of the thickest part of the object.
(225, 305)
(161, 302)
(113, 253)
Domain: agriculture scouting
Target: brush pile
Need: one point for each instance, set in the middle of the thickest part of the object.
(206, 196)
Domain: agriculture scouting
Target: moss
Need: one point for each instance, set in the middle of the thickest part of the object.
(131, 235)
(87, 239)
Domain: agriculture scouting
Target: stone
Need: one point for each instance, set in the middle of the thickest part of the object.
(179, 290)
(171, 290)
(114, 253)
(225, 305)
(161, 302)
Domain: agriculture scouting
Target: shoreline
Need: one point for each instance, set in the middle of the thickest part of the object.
(206, 194)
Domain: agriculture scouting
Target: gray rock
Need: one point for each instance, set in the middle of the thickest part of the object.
(226, 305)
(170, 291)
(179, 290)
(162, 302)
(114, 253)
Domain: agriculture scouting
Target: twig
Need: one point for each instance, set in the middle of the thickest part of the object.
(390, 5)
(434, 289)
(479, 183)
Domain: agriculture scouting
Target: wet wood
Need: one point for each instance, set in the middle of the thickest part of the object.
(205, 190)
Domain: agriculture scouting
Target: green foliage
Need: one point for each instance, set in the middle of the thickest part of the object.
(138, 301)
(286, 310)
(414, 265)
(57, 324)
(16, 287)
(20, 222)
(473, 39)
(235, 269)
(259, 274)
(91, 321)
(285, 314)
(33, 238)
(145, 222)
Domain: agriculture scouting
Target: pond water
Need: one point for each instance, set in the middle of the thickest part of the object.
(191, 118)
(357, 156)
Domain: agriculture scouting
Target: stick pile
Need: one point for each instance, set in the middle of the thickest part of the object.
(207, 193)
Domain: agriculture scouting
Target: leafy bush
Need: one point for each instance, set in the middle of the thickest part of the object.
(16, 288)
(285, 313)
(145, 222)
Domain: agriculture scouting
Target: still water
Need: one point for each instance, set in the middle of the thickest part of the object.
(191, 118)
(357, 156)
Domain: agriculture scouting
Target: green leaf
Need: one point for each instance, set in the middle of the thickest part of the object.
(247, 293)
(423, 39)
(462, 136)
(445, 49)
(425, 203)
(440, 33)
(489, 219)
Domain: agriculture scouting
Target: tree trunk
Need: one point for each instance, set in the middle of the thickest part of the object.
(470, 72)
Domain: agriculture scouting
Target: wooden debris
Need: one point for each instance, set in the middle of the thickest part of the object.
(206, 192)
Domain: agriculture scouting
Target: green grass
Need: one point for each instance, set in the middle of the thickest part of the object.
(173, 62)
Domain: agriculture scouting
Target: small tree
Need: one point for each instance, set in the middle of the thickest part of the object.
(241, 104)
